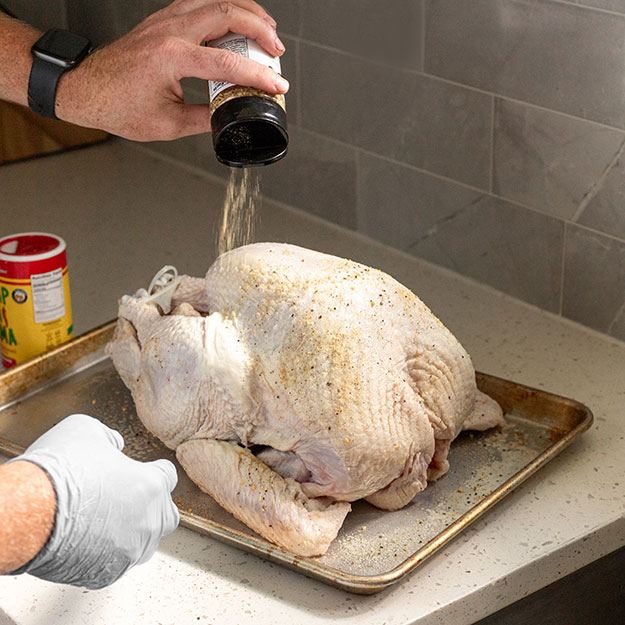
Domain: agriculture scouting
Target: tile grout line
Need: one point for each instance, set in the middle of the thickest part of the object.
(358, 193)
(599, 233)
(423, 33)
(492, 147)
(562, 267)
(298, 80)
(300, 16)
(455, 83)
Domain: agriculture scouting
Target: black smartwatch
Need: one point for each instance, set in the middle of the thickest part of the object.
(54, 53)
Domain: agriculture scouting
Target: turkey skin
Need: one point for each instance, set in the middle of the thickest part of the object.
(291, 383)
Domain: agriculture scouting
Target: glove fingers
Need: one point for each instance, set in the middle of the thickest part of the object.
(172, 519)
(148, 552)
(167, 470)
(82, 424)
(115, 437)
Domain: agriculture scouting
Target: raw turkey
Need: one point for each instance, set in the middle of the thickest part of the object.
(291, 383)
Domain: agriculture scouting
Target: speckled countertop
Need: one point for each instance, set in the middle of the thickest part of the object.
(124, 214)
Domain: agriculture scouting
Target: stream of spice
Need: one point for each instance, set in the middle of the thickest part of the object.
(239, 211)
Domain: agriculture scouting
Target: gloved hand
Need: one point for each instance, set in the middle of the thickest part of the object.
(111, 511)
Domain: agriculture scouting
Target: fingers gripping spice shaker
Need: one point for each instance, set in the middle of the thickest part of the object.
(249, 126)
(35, 307)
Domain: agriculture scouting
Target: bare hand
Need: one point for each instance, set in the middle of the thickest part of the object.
(131, 87)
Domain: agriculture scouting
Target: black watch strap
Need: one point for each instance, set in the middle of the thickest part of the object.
(42, 84)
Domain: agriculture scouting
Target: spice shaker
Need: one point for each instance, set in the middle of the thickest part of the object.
(249, 126)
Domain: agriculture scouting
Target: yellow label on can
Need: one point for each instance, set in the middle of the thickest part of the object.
(35, 314)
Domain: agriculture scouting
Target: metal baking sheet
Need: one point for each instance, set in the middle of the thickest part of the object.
(374, 549)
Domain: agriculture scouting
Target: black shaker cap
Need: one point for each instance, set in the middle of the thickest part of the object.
(249, 131)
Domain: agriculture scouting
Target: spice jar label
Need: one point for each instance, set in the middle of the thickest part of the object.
(245, 47)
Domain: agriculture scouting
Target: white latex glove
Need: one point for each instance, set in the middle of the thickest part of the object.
(111, 511)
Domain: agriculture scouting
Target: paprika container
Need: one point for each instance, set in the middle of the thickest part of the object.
(35, 306)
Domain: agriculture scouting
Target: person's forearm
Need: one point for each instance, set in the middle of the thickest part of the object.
(16, 39)
(27, 510)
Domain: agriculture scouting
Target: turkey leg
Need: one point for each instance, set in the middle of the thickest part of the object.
(271, 505)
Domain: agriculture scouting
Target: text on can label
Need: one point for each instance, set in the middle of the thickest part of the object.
(48, 297)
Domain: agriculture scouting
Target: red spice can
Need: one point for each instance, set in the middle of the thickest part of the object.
(35, 304)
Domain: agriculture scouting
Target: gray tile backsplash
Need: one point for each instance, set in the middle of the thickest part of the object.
(287, 13)
(390, 32)
(413, 118)
(512, 248)
(195, 90)
(606, 210)
(318, 175)
(42, 15)
(103, 21)
(484, 135)
(289, 64)
(559, 55)
(594, 280)
(617, 327)
(549, 161)
(399, 205)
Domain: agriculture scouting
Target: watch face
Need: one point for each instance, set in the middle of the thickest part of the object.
(62, 47)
